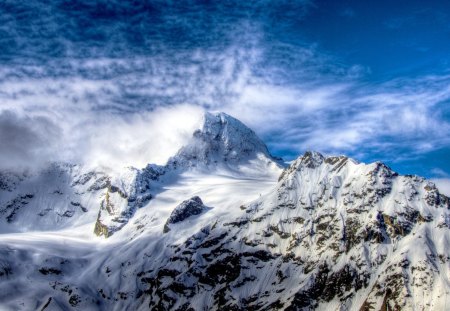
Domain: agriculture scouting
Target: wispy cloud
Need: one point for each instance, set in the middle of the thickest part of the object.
(315, 112)
(442, 180)
(443, 184)
(119, 106)
(351, 117)
(418, 16)
(120, 112)
(439, 173)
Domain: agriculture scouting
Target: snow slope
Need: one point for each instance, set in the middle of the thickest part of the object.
(59, 196)
(324, 233)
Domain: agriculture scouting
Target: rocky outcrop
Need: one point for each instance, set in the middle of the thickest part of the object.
(188, 208)
(122, 196)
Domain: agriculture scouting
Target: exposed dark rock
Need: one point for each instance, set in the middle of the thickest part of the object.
(67, 214)
(12, 207)
(193, 206)
(222, 271)
(327, 285)
(74, 300)
(46, 304)
(101, 183)
(46, 271)
(5, 271)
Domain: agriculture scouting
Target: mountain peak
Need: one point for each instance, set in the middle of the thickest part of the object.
(312, 159)
(221, 140)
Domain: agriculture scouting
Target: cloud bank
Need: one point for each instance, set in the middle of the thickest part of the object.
(26, 140)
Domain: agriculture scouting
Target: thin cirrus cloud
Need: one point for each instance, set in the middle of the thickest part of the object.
(353, 117)
(341, 117)
(135, 97)
(117, 112)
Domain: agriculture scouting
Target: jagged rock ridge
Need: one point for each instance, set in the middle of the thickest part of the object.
(78, 194)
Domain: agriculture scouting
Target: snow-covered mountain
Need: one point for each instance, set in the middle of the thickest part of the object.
(64, 195)
(223, 226)
(224, 142)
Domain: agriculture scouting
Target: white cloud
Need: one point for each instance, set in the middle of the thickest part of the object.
(117, 111)
(139, 139)
(439, 173)
(105, 140)
(443, 185)
(26, 140)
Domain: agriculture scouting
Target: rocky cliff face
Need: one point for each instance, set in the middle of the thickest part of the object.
(188, 208)
(123, 195)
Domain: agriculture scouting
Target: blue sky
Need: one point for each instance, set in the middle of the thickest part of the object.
(86, 80)
(390, 38)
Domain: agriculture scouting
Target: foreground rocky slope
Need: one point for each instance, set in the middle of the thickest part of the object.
(330, 234)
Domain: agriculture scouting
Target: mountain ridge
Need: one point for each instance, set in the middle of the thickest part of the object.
(324, 233)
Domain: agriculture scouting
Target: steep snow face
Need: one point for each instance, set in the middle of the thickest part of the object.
(332, 235)
(222, 141)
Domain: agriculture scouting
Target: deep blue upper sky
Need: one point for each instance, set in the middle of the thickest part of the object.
(392, 38)
(365, 78)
